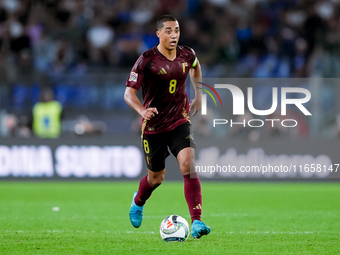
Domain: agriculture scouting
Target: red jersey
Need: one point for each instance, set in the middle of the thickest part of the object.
(163, 83)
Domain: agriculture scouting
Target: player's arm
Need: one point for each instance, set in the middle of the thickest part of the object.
(196, 77)
(132, 100)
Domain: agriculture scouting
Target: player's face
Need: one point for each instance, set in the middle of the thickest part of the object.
(169, 35)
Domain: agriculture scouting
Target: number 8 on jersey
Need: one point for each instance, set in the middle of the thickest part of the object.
(172, 87)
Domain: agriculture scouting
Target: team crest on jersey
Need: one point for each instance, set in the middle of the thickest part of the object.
(185, 66)
(133, 76)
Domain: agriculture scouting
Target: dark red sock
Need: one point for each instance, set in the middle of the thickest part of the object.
(144, 191)
(193, 195)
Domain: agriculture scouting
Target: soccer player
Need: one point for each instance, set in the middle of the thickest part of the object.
(162, 72)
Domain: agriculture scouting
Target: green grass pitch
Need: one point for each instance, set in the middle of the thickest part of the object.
(245, 218)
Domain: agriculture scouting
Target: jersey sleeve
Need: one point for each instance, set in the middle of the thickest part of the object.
(195, 58)
(195, 63)
(136, 75)
(192, 53)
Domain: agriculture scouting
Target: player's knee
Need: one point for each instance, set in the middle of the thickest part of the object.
(156, 181)
(186, 166)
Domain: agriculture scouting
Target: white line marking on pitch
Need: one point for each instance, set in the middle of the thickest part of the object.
(84, 231)
(275, 232)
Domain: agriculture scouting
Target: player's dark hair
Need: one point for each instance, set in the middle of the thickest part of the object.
(162, 19)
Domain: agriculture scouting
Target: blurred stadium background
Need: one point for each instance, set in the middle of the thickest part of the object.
(84, 50)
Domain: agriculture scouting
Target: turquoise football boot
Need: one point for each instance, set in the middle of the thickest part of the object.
(199, 229)
(136, 213)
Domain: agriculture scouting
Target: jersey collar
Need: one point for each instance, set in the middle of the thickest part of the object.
(177, 53)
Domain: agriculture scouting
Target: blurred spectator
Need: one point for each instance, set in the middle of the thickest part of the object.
(47, 115)
(128, 49)
(100, 37)
(227, 48)
(275, 128)
(12, 126)
(61, 56)
(300, 58)
(242, 129)
(202, 124)
(86, 128)
(82, 34)
(59, 39)
(42, 48)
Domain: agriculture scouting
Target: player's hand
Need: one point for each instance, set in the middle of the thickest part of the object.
(149, 113)
(195, 106)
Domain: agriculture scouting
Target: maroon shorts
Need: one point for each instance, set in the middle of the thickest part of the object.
(155, 146)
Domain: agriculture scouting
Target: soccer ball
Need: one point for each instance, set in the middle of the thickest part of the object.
(174, 228)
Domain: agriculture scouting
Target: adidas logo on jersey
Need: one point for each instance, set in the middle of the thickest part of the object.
(189, 137)
(162, 71)
(198, 207)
